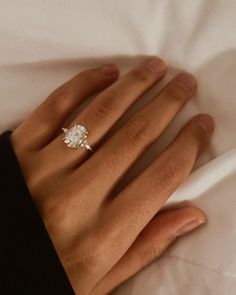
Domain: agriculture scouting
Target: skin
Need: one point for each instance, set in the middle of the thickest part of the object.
(103, 239)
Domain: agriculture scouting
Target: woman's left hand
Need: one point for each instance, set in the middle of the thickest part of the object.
(100, 239)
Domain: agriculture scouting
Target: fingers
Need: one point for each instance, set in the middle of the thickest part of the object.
(110, 105)
(39, 128)
(161, 232)
(134, 207)
(125, 147)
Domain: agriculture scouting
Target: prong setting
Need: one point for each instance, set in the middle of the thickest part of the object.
(76, 137)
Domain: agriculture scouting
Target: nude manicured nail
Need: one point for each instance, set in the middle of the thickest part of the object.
(190, 226)
(206, 122)
(109, 69)
(155, 65)
(187, 81)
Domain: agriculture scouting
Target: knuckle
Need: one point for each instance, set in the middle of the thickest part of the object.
(147, 255)
(139, 131)
(117, 157)
(157, 250)
(92, 253)
(140, 75)
(175, 92)
(104, 108)
(85, 78)
(56, 102)
(169, 177)
(113, 163)
(55, 218)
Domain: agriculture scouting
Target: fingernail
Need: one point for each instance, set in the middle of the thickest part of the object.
(190, 226)
(155, 65)
(206, 122)
(109, 69)
(187, 81)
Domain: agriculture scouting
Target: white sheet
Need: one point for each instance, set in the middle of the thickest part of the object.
(43, 43)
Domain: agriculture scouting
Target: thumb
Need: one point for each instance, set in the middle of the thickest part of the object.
(161, 231)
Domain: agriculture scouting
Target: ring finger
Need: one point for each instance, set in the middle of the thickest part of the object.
(109, 106)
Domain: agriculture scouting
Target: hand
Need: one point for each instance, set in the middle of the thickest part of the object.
(103, 239)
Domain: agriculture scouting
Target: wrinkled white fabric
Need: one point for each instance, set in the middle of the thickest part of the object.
(43, 43)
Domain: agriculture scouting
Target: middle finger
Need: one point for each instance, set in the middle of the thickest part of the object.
(125, 147)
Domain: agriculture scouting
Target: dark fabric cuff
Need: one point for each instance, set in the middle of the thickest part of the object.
(29, 263)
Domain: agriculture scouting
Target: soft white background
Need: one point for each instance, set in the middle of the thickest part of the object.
(43, 43)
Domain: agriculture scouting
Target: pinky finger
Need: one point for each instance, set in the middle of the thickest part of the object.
(160, 233)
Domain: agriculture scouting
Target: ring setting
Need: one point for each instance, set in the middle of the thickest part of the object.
(76, 137)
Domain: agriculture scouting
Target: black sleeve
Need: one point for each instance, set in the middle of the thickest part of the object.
(29, 264)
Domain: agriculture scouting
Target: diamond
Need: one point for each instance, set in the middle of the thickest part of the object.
(76, 137)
